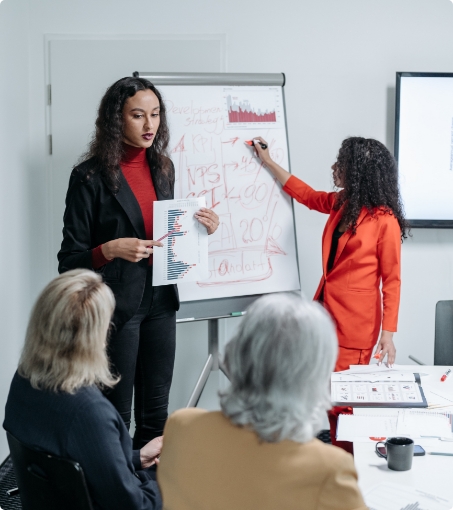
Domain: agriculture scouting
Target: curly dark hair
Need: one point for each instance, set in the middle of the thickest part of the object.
(370, 179)
(106, 146)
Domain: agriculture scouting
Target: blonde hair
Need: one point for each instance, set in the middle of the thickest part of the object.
(65, 343)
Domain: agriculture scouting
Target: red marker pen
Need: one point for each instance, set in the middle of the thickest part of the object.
(252, 143)
(444, 377)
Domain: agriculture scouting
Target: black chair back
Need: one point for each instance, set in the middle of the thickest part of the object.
(47, 482)
(443, 337)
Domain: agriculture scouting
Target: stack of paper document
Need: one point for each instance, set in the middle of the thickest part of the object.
(413, 423)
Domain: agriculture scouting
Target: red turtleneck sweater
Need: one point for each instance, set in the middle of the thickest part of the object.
(135, 168)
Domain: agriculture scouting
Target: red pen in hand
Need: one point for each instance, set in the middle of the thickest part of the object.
(166, 235)
(163, 237)
(444, 377)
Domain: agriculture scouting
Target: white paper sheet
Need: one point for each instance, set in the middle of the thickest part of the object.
(425, 423)
(363, 428)
(184, 256)
(392, 496)
(436, 398)
(411, 423)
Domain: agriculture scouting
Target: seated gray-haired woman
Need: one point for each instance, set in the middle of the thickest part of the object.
(55, 404)
(259, 452)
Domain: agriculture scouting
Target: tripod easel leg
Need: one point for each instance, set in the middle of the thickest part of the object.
(212, 363)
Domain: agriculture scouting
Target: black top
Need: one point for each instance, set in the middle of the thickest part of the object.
(84, 427)
(95, 215)
(333, 248)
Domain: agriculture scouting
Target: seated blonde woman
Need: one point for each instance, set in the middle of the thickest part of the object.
(55, 404)
(259, 452)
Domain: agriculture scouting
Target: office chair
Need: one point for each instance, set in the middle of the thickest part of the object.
(443, 336)
(47, 482)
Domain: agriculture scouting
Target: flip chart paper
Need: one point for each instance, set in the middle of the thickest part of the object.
(253, 251)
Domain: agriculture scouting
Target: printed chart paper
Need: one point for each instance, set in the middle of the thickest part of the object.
(373, 393)
(184, 257)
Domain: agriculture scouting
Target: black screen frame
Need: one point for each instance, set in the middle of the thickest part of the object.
(414, 222)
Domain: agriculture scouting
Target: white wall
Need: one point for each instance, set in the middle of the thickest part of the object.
(340, 59)
(15, 252)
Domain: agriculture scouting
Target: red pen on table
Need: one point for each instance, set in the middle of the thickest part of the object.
(444, 377)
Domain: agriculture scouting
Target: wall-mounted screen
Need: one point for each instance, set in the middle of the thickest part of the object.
(424, 147)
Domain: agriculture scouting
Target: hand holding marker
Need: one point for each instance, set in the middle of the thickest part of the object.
(253, 142)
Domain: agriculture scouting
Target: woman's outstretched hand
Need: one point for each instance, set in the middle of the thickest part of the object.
(208, 218)
(279, 173)
(386, 347)
(129, 248)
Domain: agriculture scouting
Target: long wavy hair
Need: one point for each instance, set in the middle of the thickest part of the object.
(106, 146)
(370, 178)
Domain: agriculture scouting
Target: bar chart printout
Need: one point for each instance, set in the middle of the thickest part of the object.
(391, 496)
(252, 107)
(184, 256)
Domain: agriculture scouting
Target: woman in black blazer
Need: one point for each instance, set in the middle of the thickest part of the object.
(108, 228)
(54, 402)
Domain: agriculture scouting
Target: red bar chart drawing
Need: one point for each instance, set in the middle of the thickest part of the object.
(251, 108)
(244, 112)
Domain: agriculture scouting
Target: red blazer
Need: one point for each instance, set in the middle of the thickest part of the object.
(363, 262)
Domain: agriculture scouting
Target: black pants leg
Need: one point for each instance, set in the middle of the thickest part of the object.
(143, 353)
(154, 371)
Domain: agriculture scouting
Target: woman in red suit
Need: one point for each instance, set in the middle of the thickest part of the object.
(361, 247)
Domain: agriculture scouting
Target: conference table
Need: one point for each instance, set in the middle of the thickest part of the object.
(433, 474)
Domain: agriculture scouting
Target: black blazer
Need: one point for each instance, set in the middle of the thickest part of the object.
(95, 215)
(85, 427)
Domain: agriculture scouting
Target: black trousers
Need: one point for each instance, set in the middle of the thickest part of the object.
(142, 352)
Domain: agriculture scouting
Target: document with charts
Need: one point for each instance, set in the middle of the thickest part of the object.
(377, 390)
(184, 256)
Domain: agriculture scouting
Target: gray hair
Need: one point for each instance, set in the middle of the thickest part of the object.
(65, 343)
(279, 364)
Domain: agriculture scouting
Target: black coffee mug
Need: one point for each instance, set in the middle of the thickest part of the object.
(400, 451)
